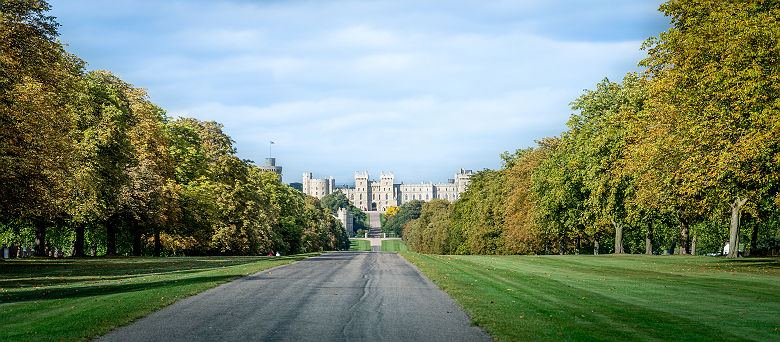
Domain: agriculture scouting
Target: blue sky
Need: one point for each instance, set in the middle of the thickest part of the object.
(419, 88)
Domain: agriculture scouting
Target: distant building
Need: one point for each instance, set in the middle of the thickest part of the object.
(373, 195)
(347, 220)
(270, 165)
(297, 186)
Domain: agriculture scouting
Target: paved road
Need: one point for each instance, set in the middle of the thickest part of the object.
(340, 296)
(374, 220)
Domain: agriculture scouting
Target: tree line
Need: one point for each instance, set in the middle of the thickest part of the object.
(682, 157)
(88, 163)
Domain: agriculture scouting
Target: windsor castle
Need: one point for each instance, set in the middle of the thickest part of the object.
(380, 195)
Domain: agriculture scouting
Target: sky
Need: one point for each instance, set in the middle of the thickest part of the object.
(420, 88)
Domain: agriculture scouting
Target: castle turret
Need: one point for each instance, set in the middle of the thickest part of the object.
(306, 182)
(270, 165)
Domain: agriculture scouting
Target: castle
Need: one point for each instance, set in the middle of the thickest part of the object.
(373, 195)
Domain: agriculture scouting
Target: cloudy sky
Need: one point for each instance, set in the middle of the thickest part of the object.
(419, 88)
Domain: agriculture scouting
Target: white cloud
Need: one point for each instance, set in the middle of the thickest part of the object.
(350, 85)
(362, 36)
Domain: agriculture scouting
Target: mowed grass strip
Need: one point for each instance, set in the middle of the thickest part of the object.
(77, 299)
(359, 245)
(394, 246)
(608, 297)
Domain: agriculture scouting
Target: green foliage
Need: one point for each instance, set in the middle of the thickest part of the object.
(406, 213)
(658, 162)
(430, 232)
(477, 216)
(336, 200)
(87, 161)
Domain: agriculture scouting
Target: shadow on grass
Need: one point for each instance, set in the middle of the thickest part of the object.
(108, 289)
(758, 262)
(122, 266)
(86, 275)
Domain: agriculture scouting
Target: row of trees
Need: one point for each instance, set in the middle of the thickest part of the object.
(396, 218)
(685, 154)
(88, 162)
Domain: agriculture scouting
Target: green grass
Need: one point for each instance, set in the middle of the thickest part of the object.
(608, 297)
(77, 299)
(359, 245)
(394, 246)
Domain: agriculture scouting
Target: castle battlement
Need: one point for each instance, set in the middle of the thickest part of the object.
(372, 195)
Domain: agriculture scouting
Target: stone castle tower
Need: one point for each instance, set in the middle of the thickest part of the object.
(382, 194)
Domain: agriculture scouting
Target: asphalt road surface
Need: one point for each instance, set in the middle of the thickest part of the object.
(339, 296)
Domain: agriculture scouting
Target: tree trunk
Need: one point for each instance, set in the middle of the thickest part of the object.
(157, 245)
(684, 246)
(577, 247)
(78, 243)
(693, 245)
(618, 237)
(136, 239)
(753, 240)
(596, 247)
(734, 227)
(560, 246)
(649, 239)
(111, 236)
(40, 237)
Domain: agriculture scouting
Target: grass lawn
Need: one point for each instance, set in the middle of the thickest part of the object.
(359, 245)
(608, 297)
(77, 299)
(394, 246)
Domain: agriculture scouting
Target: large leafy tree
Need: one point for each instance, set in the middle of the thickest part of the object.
(149, 199)
(714, 101)
(478, 215)
(559, 192)
(521, 234)
(105, 153)
(406, 212)
(39, 96)
(430, 232)
(598, 140)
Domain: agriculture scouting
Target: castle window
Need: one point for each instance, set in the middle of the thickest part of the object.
(385, 196)
(407, 197)
(426, 197)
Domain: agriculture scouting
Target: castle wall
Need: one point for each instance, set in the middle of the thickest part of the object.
(382, 194)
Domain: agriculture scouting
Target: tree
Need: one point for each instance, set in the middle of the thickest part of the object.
(521, 234)
(559, 192)
(599, 142)
(336, 200)
(407, 212)
(430, 232)
(477, 218)
(714, 96)
(391, 210)
(39, 95)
